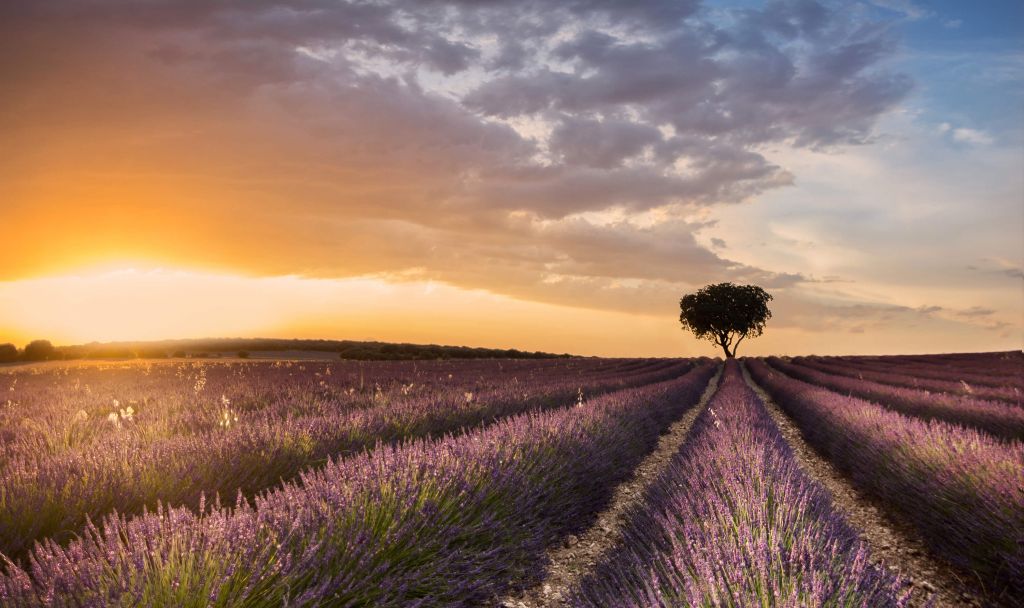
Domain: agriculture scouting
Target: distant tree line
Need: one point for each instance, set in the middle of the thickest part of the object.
(8, 353)
(37, 350)
(43, 350)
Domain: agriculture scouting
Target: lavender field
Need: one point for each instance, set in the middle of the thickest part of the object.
(468, 483)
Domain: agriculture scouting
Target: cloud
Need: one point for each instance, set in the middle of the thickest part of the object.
(811, 313)
(601, 144)
(999, 268)
(791, 71)
(340, 138)
(972, 136)
(976, 311)
(965, 135)
(907, 8)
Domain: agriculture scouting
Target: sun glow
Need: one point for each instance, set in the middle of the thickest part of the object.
(140, 301)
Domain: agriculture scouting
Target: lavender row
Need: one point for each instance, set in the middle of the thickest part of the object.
(734, 521)
(64, 406)
(46, 409)
(999, 419)
(454, 521)
(54, 497)
(1002, 371)
(895, 376)
(1008, 381)
(998, 358)
(962, 489)
(144, 404)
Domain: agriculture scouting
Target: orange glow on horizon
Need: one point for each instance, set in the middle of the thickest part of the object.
(131, 304)
(139, 301)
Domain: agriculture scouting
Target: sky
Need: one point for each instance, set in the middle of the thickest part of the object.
(516, 174)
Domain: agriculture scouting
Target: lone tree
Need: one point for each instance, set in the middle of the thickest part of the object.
(725, 312)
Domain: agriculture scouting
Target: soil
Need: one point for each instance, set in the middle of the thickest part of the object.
(577, 555)
(894, 544)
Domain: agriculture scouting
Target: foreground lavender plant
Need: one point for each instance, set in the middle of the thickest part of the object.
(55, 496)
(428, 523)
(734, 521)
(961, 488)
(999, 419)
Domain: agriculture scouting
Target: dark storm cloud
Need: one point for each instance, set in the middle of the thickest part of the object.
(462, 138)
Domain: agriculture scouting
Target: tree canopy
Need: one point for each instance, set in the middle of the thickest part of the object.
(40, 350)
(725, 314)
(8, 353)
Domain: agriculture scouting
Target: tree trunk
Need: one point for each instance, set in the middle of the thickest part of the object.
(728, 355)
(737, 345)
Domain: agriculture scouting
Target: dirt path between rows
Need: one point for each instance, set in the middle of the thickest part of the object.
(578, 555)
(896, 545)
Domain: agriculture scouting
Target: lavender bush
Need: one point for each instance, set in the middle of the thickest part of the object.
(999, 369)
(734, 521)
(54, 496)
(961, 488)
(896, 377)
(449, 522)
(48, 408)
(1000, 419)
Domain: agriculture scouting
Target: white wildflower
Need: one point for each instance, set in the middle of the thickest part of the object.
(715, 416)
(200, 381)
(227, 418)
